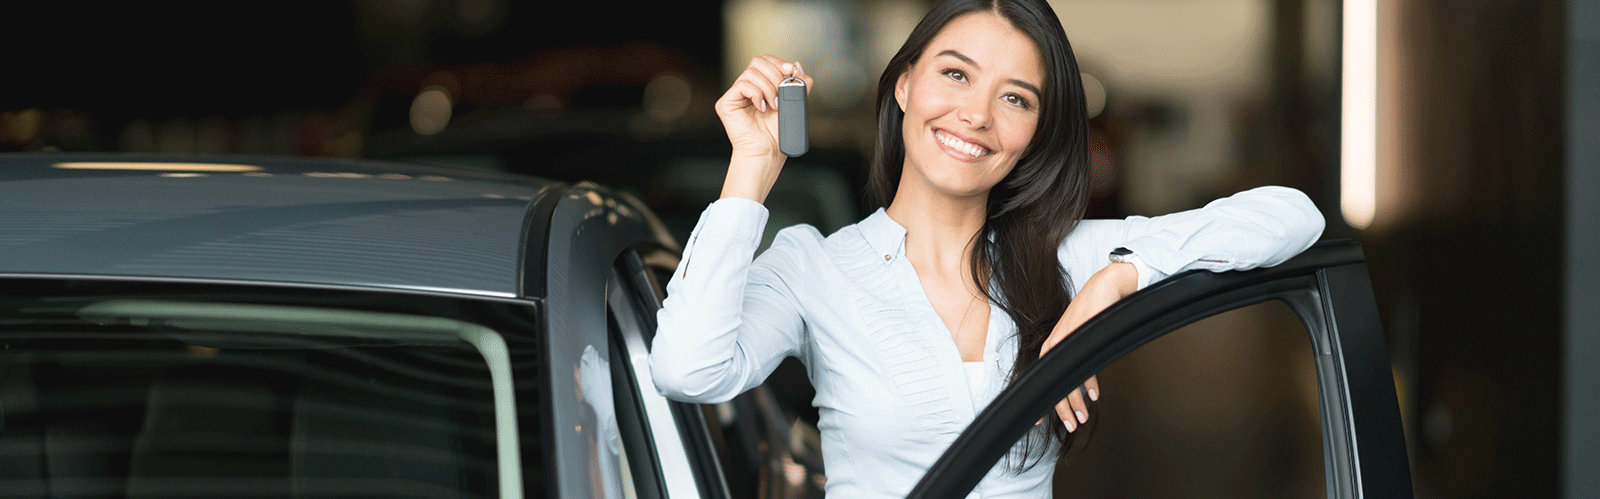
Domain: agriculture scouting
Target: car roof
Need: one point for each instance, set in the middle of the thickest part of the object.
(273, 219)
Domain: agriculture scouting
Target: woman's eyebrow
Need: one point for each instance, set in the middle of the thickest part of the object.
(1025, 85)
(961, 56)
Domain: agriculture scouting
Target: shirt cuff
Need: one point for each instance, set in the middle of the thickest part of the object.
(1160, 258)
(741, 218)
(1146, 273)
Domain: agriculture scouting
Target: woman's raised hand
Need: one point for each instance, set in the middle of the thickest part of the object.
(749, 113)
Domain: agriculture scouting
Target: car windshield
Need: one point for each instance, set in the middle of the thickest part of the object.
(136, 398)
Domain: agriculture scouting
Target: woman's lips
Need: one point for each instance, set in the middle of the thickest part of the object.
(956, 144)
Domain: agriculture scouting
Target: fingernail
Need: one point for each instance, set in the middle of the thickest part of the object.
(1070, 427)
(1094, 395)
(1082, 418)
(798, 69)
(787, 67)
(761, 105)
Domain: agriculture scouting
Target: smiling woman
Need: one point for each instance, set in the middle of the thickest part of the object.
(912, 320)
(967, 122)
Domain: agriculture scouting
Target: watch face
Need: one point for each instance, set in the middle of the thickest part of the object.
(1122, 251)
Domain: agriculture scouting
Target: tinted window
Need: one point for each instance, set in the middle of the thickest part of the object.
(140, 407)
(763, 453)
(1223, 407)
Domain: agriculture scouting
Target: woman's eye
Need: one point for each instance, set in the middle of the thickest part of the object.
(1017, 100)
(955, 74)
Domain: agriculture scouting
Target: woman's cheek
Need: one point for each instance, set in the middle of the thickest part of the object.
(1018, 136)
(933, 100)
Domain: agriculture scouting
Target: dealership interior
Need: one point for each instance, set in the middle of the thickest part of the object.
(1453, 139)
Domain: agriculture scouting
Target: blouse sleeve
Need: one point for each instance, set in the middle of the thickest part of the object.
(726, 323)
(1256, 228)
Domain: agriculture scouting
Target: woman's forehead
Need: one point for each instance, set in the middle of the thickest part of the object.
(989, 42)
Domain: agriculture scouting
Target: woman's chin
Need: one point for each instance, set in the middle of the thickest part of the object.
(962, 190)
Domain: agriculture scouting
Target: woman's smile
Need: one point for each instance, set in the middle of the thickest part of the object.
(962, 149)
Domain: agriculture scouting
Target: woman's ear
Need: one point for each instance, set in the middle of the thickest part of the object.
(900, 89)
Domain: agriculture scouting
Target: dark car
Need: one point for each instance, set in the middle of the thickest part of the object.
(229, 326)
(232, 326)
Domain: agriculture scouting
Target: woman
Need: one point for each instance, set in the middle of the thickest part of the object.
(911, 320)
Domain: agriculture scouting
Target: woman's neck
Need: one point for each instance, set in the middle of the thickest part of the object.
(940, 230)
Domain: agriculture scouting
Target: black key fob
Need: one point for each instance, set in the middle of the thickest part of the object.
(792, 137)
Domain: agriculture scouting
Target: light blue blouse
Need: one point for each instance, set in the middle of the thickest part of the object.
(892, 391)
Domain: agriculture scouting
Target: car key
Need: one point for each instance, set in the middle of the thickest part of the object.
(792, 137)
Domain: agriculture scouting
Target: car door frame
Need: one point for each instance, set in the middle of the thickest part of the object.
(674, 441)
(1327, 286)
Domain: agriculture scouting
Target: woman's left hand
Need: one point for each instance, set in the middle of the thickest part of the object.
(1100, 291)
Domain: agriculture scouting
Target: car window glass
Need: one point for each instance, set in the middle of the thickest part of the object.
(765, 451)
(109, 407)
(600, 427)
(1224, 407)
(636, 470)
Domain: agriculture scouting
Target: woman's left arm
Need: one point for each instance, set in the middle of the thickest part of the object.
(1260, 227)
(1256, 228)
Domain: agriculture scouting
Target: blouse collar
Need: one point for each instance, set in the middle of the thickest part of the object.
(887, 237)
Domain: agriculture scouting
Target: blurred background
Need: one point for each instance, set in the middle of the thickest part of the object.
(1477, 198)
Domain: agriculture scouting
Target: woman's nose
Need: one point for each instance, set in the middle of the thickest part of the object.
(975, 111)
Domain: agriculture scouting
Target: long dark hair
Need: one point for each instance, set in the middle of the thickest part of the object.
(1031, 210)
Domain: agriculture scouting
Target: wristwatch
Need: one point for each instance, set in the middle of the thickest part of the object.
(1121, 255)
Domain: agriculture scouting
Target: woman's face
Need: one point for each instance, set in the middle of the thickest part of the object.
(971, 104)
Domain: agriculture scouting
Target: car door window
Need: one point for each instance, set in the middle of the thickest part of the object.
(765, 452)
(600, 428)
(1224, 407)
(143, 398)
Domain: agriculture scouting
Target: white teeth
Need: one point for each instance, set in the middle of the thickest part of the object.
(961, 145)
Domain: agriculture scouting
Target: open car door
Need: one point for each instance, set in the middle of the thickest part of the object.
(1327, 286)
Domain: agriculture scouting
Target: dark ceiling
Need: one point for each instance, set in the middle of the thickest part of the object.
(157, 60)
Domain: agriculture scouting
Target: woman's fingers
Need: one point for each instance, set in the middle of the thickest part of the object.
(758, 78)
(784, 68)
(740, 95)
(766, 92)
(795, 69)
(772, 71)
(1080, 410)
(1073, 411)
(748, 109)
(765, 72)
(1064, 411)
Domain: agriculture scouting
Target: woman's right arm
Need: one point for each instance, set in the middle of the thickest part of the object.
(726, 324)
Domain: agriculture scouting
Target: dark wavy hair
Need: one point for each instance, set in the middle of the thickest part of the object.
(1031, 210)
